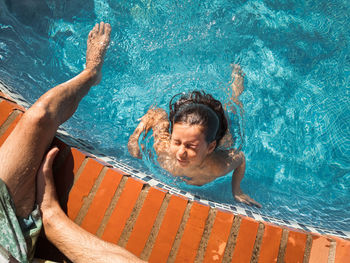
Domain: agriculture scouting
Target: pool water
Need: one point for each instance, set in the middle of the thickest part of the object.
(297, 99)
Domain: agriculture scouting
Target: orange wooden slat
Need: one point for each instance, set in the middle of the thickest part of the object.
(320, 249)
(64, 177)
(82, 187)
(270, 243)
(101, 201)
(6, 108)
(218, 237)
(168, 230)
(8, 99)
(342, 251)
(193, 233)
(295, 247)
(10, 129)
(122, 210)
(63, 149)
(74, 160)
(145, 221)
(245, 240)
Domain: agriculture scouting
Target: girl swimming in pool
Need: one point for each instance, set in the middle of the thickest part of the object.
(187, 142)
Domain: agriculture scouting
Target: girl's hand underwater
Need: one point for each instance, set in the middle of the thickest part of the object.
(245, 199)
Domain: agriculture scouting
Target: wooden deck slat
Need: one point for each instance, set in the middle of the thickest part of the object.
(82, 187)
(218, 237)
(319, 250)
(193, 233)
(270, 244)
(342, 251)
(168, 229)
(145, 221)
(245, 240)
(122, 210)
(64, 177)
(10, 129)
(6, 108)
(101, 201)
(295, 247)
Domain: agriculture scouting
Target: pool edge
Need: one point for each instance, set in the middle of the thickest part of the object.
(199, 232)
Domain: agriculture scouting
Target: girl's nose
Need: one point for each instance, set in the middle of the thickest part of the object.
(182, 152)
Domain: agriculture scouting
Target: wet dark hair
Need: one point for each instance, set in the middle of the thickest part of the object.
(199, 108)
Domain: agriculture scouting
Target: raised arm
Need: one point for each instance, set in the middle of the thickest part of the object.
(157, 120)
(73, 241)
(133, 146)
(237, 84)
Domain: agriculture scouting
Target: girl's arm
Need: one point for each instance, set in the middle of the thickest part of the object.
(133, 146)
(237, 177)
(161, 132)
(157, 120)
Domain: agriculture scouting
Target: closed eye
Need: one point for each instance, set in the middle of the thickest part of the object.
(176, 142)
(192, 146)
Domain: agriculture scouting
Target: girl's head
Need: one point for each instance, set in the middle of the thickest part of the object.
(198, 123)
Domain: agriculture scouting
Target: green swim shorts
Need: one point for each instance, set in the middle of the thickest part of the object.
(17, 235)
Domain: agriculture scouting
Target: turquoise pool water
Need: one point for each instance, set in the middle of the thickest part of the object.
(297, 100)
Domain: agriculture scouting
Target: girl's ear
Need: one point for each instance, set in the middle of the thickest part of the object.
(211, 146)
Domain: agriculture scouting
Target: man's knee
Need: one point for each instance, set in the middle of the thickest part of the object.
(39, 116)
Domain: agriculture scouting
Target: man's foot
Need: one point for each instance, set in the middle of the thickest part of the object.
(46, 196)
(97, 44)
(237, 79)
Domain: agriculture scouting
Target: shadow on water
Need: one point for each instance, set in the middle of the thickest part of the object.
(30, 35)
(39, 14)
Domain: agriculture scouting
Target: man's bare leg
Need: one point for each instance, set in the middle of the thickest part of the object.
(22, 152)
(73, 241)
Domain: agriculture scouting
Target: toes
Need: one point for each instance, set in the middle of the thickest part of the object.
(94, 31)
(108, 29)
(102, 27)
(96, 28)
(105, 28)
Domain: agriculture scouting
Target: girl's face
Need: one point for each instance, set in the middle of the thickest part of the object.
(188, 145)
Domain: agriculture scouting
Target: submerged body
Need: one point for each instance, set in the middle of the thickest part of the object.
(184, 151)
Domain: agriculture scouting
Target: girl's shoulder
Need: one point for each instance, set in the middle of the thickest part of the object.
(226, 160)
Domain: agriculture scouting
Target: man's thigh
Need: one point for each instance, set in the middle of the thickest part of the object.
(20, 158)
